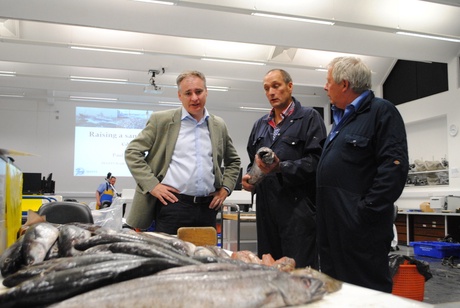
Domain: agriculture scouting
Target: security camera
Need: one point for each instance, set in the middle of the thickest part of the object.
(153, 88)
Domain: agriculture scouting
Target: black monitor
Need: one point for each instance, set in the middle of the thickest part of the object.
(48, 184)
(31, 183)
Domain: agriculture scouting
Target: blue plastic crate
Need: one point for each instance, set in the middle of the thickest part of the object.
(436, 249)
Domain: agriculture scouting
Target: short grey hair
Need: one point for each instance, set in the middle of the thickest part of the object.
(286, 77)
(186, 74)
(354, 70)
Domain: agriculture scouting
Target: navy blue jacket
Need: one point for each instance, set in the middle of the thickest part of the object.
(286, 224)
(367, 160)
(298, 147)
(361, 173)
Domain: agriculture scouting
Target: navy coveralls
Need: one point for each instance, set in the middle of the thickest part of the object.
(362, 172)
(286, 224)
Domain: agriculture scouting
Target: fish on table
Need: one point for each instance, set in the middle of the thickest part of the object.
(68, 236)
(160, 270)
(38, 239)
(59, 264)
(11, 259)
(232, 287)
(56, 286)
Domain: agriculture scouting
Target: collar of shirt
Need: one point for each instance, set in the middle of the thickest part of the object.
(286, 112)
(185, 115)
(340, 115)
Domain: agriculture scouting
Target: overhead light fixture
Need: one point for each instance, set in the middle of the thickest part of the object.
(172, 104)
(132, 52)
(7, 74)
(167, 86)
(286, 17)
(210, 88)
(157, 2)
(217, 88)
(256, 109)
(93, 99)
(321, 69)
(12, 95)
(233, 61)
(434, 37)
(96, 79)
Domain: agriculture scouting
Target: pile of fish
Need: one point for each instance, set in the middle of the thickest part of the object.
(81, 264)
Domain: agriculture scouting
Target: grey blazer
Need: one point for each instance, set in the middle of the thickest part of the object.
(149, 154)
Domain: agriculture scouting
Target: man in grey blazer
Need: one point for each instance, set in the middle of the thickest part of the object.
(175, 161)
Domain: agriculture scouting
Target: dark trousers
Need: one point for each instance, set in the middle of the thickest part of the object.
(172, 216)
(286, 229)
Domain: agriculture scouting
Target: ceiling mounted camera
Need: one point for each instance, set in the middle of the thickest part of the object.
(153, 88)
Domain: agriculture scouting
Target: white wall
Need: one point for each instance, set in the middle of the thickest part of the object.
(443, 107)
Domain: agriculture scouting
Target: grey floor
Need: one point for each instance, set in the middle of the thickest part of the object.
(444, 286)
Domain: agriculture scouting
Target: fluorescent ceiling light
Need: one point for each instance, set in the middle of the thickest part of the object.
(92, 99)
(174, 104)
(210, 88)
(7, 74)
(320, 69)
(216, 88)
(316, 21)
(434, 37)
(167, 86)
(256, 109)
(132, 52)
(95, 79)
(156, 2)
(12, 95)
(233, 61)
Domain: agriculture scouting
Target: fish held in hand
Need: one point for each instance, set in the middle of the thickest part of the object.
(267, 156)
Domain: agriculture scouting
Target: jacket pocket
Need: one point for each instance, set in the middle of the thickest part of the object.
(290, 148)
(355, 148)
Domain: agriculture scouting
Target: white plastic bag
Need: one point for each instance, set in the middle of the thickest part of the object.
(110, 217)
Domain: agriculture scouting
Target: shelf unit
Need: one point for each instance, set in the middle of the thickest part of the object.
(426, 226)
(428, 178)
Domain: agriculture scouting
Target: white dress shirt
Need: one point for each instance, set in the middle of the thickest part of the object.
(191, 168)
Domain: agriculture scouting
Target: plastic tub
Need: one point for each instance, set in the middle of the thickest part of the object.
(436, 249)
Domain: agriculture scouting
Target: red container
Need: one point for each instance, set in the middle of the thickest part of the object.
(408, 282)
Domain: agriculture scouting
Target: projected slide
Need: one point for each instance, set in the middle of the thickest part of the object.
(101, 136)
